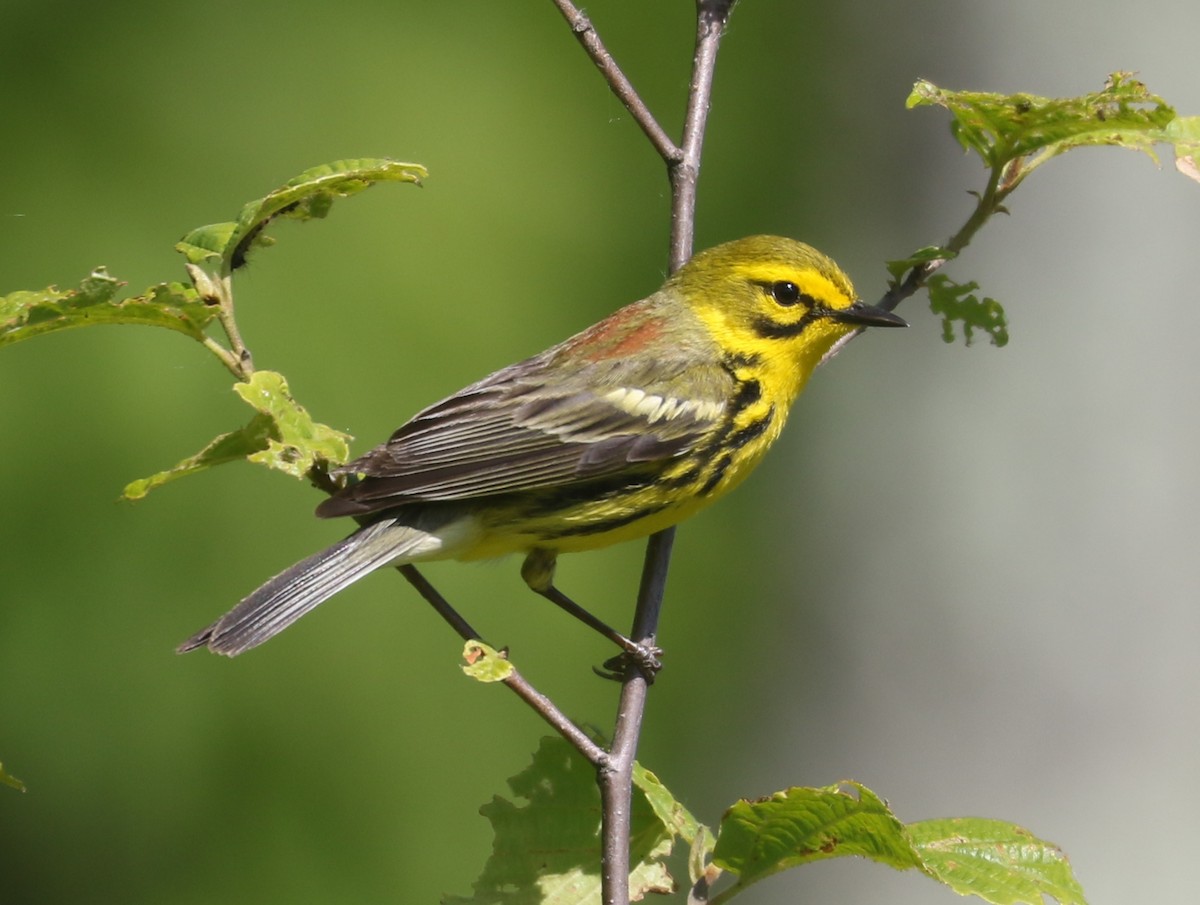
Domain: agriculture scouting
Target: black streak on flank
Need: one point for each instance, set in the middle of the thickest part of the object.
(735, 442)
(608, 524)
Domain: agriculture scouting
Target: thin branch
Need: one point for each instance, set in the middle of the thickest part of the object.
(1001, 181)
(219, 294)
(241, 353)
(227, 358)
(991, 201)
(587, 35)
(711, 18)
(616, 776)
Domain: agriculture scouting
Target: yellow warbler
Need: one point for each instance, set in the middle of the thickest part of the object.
(622, 430)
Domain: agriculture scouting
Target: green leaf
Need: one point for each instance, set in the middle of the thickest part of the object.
(957, 302)
(699, 855)
(546, 850)
(1184, 133)
(484, 663)
(897, 269)
(31, 313)
(1003, 129)
(800, 825)
(282, 436)
(220, 248)
(9, 780)
(996, 861)
(669, 810)
(231, 447)
(205, 246)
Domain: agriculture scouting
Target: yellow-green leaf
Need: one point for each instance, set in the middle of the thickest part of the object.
(296, 441)
(484, 663)
(231, 447)
(220, 248)
(281, 435)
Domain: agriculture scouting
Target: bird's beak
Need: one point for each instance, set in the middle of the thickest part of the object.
(865, 315)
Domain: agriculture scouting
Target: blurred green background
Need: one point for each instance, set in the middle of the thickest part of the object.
(967, 577)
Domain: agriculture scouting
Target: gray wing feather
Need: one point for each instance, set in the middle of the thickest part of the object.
(514, 431)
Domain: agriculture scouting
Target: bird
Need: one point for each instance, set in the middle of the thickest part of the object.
(624, 429)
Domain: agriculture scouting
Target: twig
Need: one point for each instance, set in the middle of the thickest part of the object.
(241, 354)
(218, 293)
(1000, 184)
(587, 35)
(615, 775)
(227, 358)
(541, 704)
(711, 19)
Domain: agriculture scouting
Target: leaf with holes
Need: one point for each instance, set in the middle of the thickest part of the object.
(30, 313)
(546, 843)
(957, 303)
(1023, 131)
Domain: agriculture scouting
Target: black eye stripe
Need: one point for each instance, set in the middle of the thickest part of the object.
(771, 329)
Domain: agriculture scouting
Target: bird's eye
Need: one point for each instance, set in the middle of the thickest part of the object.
(785, 292)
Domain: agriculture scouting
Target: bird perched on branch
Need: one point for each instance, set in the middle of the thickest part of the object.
(625, 429)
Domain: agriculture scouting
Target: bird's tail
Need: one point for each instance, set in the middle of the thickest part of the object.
(310, 582)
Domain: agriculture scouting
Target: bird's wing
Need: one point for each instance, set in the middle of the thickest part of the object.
(536, 425)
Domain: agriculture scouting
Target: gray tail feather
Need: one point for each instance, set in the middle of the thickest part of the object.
(307, 584)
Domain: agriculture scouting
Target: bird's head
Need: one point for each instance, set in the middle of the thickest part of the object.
(771, 298)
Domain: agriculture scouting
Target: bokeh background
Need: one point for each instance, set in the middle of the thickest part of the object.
(966, 577)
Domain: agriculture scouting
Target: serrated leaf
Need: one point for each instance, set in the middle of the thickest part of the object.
(957, 303)
(996, 861)
(485, 663)
(11, 781)
(1003, 129)
(282, 436)
(27, 314)
(800, 825)
(222, 247)
(546, 849)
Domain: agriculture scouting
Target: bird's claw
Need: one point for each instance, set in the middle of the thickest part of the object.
(644, 657)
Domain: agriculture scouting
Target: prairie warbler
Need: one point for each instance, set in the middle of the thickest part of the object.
(622, 430)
